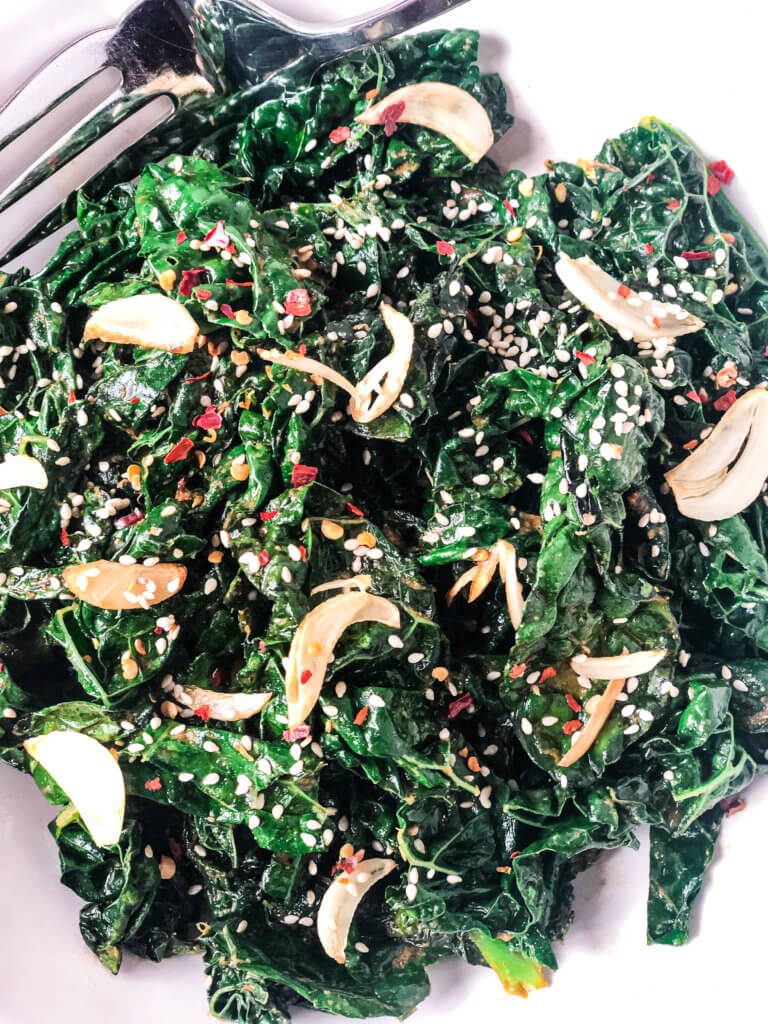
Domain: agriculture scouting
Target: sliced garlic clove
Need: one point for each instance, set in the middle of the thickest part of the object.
(485, 573)
(118, 587)
(294, 361)
(619, 665)
(89, 775)
(387, 377)
(465, 578)
(315, 639)
(512, 586)
(593, 726)
(225, 707)
(149, 321)
(341, 900)
(443, 108)
(621, 307)
(22, 471)
(725, 474)
(362, 581)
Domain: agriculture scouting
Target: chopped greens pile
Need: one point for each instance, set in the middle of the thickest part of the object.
(433, 746)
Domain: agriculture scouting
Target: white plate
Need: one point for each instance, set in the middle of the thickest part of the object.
(576, 73)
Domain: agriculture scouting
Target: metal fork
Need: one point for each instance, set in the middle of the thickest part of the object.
(118, 97)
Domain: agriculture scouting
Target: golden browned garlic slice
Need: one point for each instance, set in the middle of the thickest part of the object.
(621, 307)
(315, 639)
(387, 377)
(624, 665)
(22, 471)
(89, 775)
(504, 557)
(226, 707)
(443, 108)
(362, 581)
(118, 587)
(725, 474)
(587, 736)
(341, 899)
(149, 321)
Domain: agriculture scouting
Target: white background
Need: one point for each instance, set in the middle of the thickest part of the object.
(576, 73)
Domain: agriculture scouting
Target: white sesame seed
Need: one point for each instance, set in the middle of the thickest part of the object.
(526, 726)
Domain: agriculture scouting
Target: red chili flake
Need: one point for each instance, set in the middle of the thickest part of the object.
(693, 395)
(190, 279)
(305, 676)
(673, 204)
(65, 537)
(179, 451)
(158, 630)
(208, 420)
(515, 853)
(703, 396)
(526, 436)
(650, 177)
(203, 712)
(128, 520)
(181, 237)
(266, 516)
(572, 703)
(444, 249)
(349, 863)
(302, 475)
(623, 291)
(153, 785)
(134, 400)
(690, 445)
(217, 236)
(390, 115)
(547, 673)
(721, 170)
(303, 552)
(355, 510)
(713, 185)
(704, 255)
(516, 671)
(191, 380)
(728, 237)
(509, 208)
(203, 294)
(231, 249)
(263, 557)
(471, 316)
(340, 134)
(299, 733)
(238, 284)
(460, 704)
(361, 716)
(297, 302)
(262, 647)
(227, 310)
(571, 727)
(732, 805)
(302, 350)
(72, 396)
(725, 401)
(648, 248)
(656, 322)
(584, 357)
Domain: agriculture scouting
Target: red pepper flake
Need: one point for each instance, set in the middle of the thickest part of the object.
(263, 557)
(656, 322)
(690, 445)
(208, 420)
(65, 537)
(217, 236)
(203, 712)
(704, 255)
(153, 785)
(571, 727)
(72, 396)
(203, 294)
(584, 357)
(517, 670)
(725, 401)
(134, 400)
(302, 350)
(349, 863)
(361, 716)
(181, 237)
(303, 552)
(238, 284)
(693, 395)
(721, 171)
(390, 115)
(648, 248)
(673, 204)
(572, 703)
(703, 396)
(179, 451)
(299, 733)
(190, 279)
(227, 310)
(266, 516)
(191, 380)
(526, 436)
(158, 630)
(713, 185)
(515, 853)
(262, 647)
(728, 237)
(297, 302)
(340, 134)
(509, 208)
(305, 676)
(732, 805)
(128, 520)
(444, 249)
(650, 177)
(623, 291)
(460, 704)
(547, 673)
(355, 510)
(302, 475)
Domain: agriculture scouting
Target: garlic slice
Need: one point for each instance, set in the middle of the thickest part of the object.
(22, 471)
(149, 321)
(444, 108)
(362, 581)
(387, 376)
(89, 775)
(597, 720)
(315, 639)
(118, 587)
(226, 707)
(461, 582)
(624, 665)
(709, 485)
(621, 307)
(341, 899)
(504, 557)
